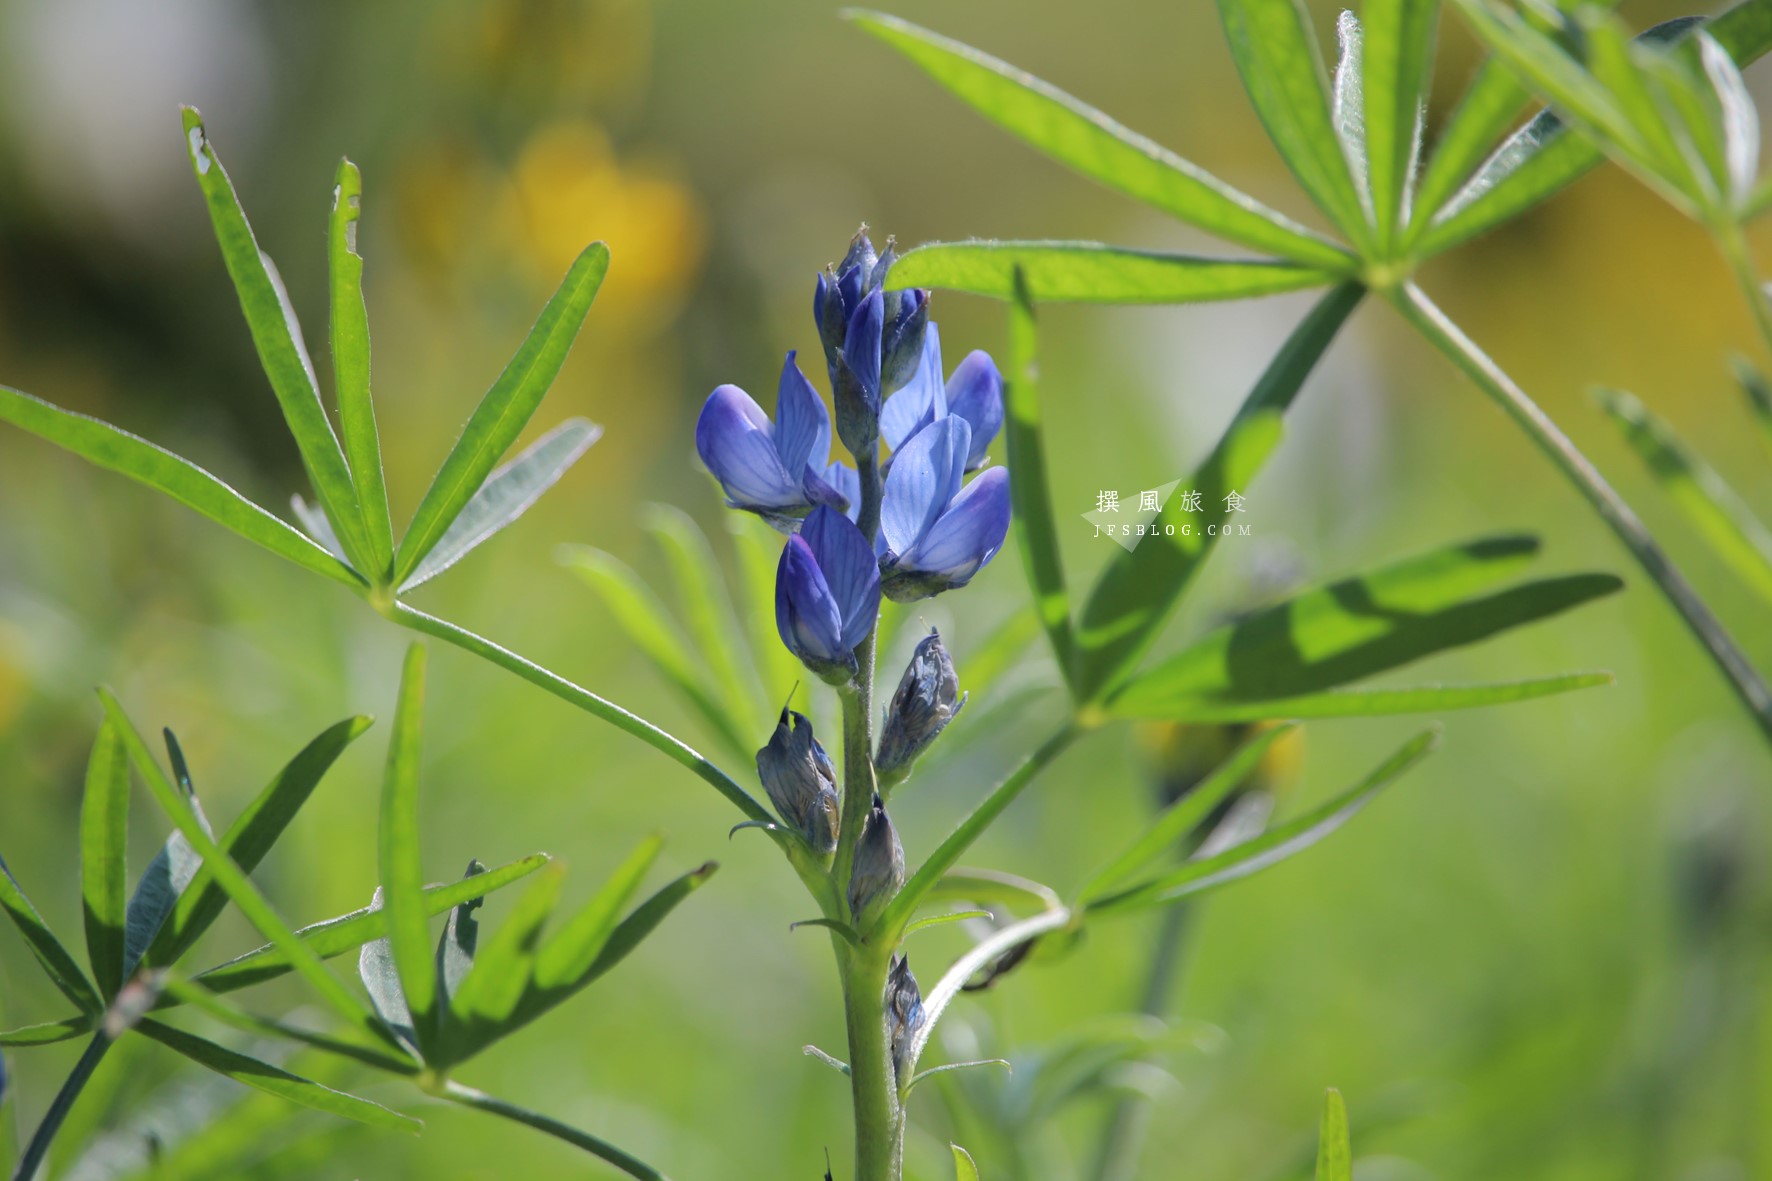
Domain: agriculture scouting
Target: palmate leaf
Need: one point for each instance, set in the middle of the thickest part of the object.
(1282, 69)
(1720, 517)
(106, 446)
(1090, 272)
(1356, 628)
(277, 1081)
(104, 875)
(1335, 1157)
(1083, 138)
(278, 338)
(1273, 846)
(505, 410)
(507, 495)
(1137, 590)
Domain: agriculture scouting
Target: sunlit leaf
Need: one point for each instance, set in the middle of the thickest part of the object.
(277, 335)
(1083, 138)
(507, 495)
(1347, 106)
(1719, 516)
(1491, 104)
(504, 411)
(1271, 847)
(402, 872)
(1282, 68)
(1138, 588)
(1335, 1157)
(570, 951)
(349, 337)
(57, 964)
(104, 445)
(1358, 703)
(1090, 272)
(503, 966)
(277, 1081)
(1356, 628)
(964, 1169)
(1398, 58)
(104, 876)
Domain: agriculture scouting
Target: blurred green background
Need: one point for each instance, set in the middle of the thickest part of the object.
(1542, 956)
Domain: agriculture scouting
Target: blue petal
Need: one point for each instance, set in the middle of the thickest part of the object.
(925, 476)
(861, 344)
(736, 441)
(847, 483)
(802, 428)
(920, 402)
(850, 570)
(975, 393)
(821, 491)
(805, 613)
(969, 534)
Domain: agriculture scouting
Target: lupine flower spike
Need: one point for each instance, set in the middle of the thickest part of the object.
(927, 699)
(800, 780)
(827, 594)
(878, 872)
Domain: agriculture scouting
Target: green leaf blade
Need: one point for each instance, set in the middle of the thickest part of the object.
(349, 337)
(1089, 142)
(1090, 272)
(402, 873)
(505, 410)
(1359, 703)
(57, 964)
(1335, 1157)
(104, 838)
(571, 951)
(1398, 60)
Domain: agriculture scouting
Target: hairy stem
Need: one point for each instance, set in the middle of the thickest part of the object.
(38, 1149)
(601, 1149)
(1432, 323)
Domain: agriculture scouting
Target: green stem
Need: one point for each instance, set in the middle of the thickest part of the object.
(879, 1120)
(1433, 324)
(601, 1149)
(38, 1149)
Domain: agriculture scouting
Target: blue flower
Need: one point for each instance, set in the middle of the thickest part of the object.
(873, 339)
(780, 469)
(827, 593)
(974, 391)
(934, 533)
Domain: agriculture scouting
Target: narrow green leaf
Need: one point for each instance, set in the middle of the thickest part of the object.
(1335, 1156)
(1090, 272)
(402, 872)
(1088, 141)
(1398, 60)
(104, 844)
(251, 837)
(993, 887)
(1138, 588)
(1670, 162)
(460, 942)
(1271, 847)
(348, 932)
(1358, 627)
(1186, 814)
(837, 927)
(644, 919)
(830, 1060)
(1347, 107)
(47, 1033)
(381, 980)
(57, 964)
(942, 920)
(708, 613)
(1758, 393)
(1740, 120)
(234, 1018)
(1491, 104)
(643, 619)
(277, 336)
(350, 368)
(507, 495)
(949, 1067)
(570, 951)
(1030, 492)
(275, 1080)
(1277, 55)
(504, 966)
(312, 519)
(1360, 703)
(581, 1140)
(505, 410)
(1720, 517)
(964, 1169)
(104, 445)
(229, 876)
(174, 867)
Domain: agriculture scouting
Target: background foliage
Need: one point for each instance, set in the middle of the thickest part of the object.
(1540, 957)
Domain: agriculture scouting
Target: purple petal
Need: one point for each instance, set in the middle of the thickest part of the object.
(736, 441)
(920, 402)
(805, 613)
(802, 428)
(861, 344)
(821, 491)
(847, 482)
(975, 393)
(969, 534)
(850, 570)
(925, 476)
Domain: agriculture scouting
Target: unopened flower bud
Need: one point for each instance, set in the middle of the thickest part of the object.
(800, 780)
(901, 347)
(878, 871)
(904, 1011)
(927, 698)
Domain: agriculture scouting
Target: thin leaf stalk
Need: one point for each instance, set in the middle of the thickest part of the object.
(601, 1149)
(1443, 334)
(38, 1149)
